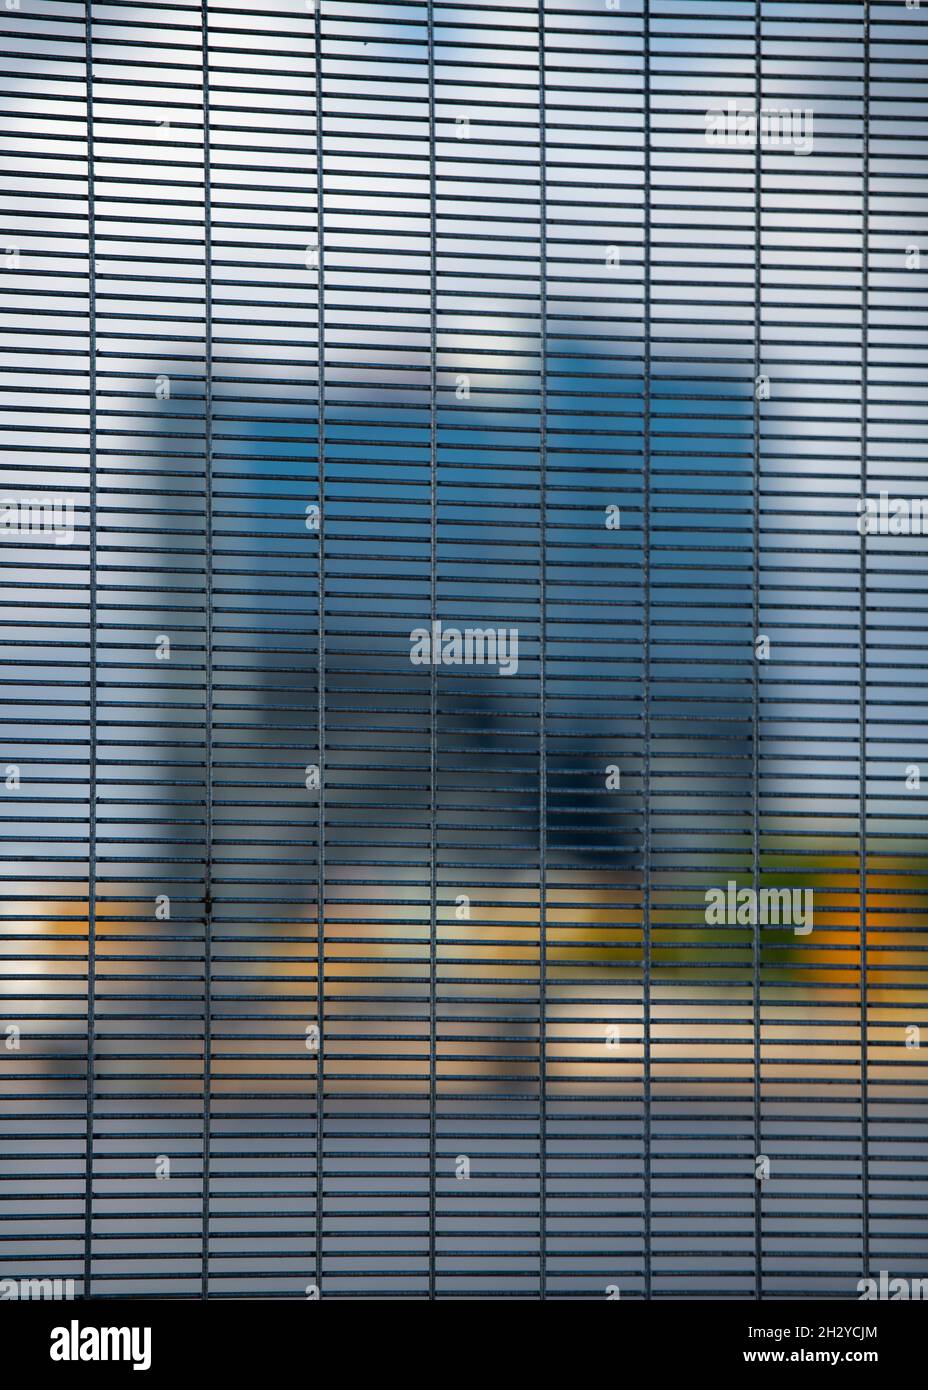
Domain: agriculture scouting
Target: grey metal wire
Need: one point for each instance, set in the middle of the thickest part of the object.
(284, 913)
(92, 673)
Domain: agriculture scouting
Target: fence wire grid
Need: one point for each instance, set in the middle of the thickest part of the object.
(463, 649)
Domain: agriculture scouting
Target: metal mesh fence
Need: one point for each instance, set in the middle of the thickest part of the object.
(463, 648)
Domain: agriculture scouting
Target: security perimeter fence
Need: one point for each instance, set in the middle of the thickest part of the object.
(463, 691)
